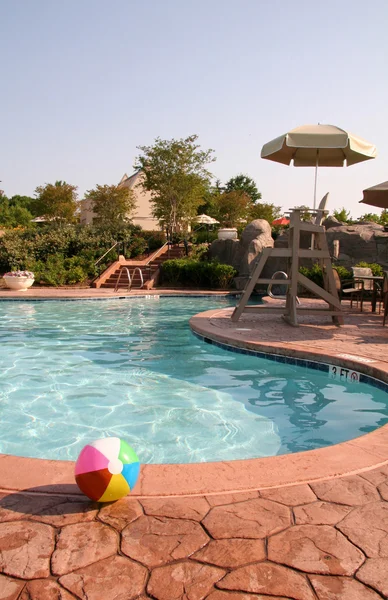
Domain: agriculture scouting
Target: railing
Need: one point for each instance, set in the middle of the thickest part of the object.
(278, 296)
(141, 275)
(129, 287)
(158, 253)
(118, 279)
(107, 252)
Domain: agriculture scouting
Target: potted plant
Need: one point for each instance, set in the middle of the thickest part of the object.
(19, 281)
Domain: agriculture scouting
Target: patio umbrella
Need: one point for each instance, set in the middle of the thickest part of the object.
(206, 220)
(376, 195)
(318, 145)
(281, 221)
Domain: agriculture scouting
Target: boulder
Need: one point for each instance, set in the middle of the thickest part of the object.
(360, 242)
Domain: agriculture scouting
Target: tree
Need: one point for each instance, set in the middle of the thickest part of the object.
(264, 210)
(112, 204)
(13, 215)
(384, 217)
(57, 202)
(370, 217)
(230, 208)
(342, 215)
(25, 202)
(245, 184)
(175, 174)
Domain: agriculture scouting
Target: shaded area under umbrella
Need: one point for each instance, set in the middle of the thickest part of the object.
(376, 195)
(318, 146)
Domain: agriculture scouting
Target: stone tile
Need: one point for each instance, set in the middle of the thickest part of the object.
(376, 476)
(115, 577)
(352, 490)
(341, 588)
(218, 595)
(183, 581)
(14, 507)
(290, 496)
(374, 572)
(219, 499)
(10, 588)
(268, 579)
(231, 553)
(121, 513)
(67, 513)
(179, 508)
(367, 527)
(25, 549)
(315, 549)
(81, 545)
(320, 513)
(45, 589)
(156, 541)
(383, 489)
(255, 519)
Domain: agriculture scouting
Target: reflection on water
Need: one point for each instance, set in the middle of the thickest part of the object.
(71, 372)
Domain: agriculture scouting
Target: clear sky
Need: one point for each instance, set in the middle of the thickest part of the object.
(83, 82)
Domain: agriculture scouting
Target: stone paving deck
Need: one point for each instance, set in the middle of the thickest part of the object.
(315, 536)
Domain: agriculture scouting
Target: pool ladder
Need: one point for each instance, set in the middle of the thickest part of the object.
(277, 296)
(129, 287)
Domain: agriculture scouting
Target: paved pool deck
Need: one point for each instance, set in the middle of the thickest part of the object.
(306, 526)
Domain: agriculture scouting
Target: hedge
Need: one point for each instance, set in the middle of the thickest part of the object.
(190, 272)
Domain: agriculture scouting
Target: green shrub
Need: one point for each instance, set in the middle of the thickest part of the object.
(154, 239)
(202, 236)
(136, 247)
(199, 252)
(377, 270)
(314, 274)
(343, 273)
(191, 272)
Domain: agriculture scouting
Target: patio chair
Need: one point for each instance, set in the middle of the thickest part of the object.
(354, 292)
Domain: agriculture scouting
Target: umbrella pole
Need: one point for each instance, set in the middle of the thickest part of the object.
(315, 180)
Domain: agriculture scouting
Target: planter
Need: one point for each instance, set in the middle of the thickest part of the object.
(227, 233)
(19, 284)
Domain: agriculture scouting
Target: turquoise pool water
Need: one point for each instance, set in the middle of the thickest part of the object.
(71, 372)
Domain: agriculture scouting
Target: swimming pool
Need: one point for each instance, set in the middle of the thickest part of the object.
(72, 372)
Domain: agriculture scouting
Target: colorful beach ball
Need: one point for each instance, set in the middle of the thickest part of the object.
(107, 469)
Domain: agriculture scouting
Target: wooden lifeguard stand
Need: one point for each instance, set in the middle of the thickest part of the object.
(319, 250)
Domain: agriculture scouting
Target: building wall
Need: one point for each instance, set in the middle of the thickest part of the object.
(142, 214)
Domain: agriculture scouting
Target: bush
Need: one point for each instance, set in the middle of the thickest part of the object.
(200, 252)
(154, 239)
(377, 270)
(75, 247)
(343, 273)
(191, 272)
(315, 273)
(202, 237)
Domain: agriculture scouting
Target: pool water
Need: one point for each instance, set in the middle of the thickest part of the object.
(72, 372)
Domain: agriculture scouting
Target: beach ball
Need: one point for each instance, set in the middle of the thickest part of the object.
(107, 469)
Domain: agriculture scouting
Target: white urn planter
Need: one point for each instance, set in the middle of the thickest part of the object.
(227, 233)
(19, 281)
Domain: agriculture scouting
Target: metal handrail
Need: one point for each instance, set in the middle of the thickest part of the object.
(269, 288)
(141, 275)
(161, 248)
(107, 252)
(118, 279)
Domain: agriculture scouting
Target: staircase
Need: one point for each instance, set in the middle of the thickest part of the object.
(149, 270)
